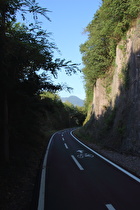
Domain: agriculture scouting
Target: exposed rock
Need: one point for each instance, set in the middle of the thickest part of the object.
(124, 95)
(100, 100)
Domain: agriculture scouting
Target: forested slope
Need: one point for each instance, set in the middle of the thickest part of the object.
(30, 109)
(27, 67)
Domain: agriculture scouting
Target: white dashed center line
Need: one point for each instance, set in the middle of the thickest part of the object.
(66, 146)
(110, 207)
(77, 163)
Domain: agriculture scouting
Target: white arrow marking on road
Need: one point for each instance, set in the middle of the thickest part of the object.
(77, 163)
(113, 164)
(82, 154)
(80, 151)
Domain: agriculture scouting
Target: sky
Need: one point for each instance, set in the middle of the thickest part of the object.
(68, 21)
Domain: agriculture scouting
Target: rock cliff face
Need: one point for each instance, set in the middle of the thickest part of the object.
(116, 101)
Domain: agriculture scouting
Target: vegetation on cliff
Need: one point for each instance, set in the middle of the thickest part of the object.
(108, 27)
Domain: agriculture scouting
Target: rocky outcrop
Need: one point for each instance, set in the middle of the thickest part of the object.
(100, 100)
(123, 95)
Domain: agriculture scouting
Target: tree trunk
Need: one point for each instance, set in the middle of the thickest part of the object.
(6, 132)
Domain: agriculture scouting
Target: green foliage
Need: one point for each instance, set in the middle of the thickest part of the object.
(27, 67)
(24, 51)
(27, 53)
(52, 96)
(76, 114)
(61, 115)
(122, 47)
(108, 27)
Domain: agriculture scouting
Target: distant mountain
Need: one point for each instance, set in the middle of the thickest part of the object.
(73, 100)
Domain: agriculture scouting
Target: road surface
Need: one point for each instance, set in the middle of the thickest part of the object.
(78, 179)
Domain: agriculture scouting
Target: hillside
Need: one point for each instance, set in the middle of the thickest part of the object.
(114, 102)
(73, 100)
(45, 115)
(28, 118)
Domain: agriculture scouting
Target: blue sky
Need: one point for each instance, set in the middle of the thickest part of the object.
(68, 20)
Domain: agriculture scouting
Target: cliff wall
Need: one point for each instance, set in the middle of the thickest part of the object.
(116, 102)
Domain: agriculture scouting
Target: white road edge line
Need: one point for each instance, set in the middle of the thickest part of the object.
(115, 165)
(110, 207)
(77, 163)
(43, 178)
(66, 145)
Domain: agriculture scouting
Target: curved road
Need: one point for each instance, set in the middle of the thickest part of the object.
(77, 178)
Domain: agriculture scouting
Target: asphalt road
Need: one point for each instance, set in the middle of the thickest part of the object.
(78, 179)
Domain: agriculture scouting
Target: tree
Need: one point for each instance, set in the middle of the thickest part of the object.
(24, 51)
